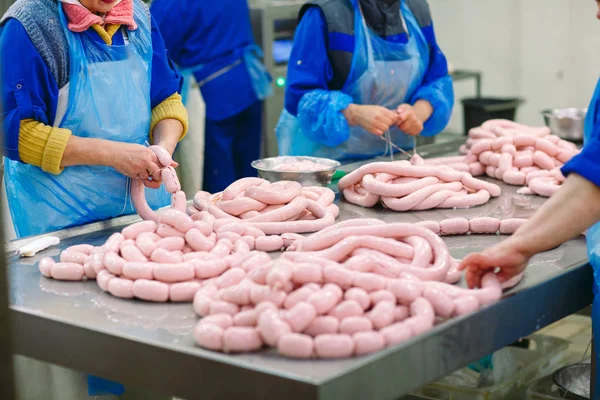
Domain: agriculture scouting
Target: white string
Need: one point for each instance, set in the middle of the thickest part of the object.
(391, 144)
(127, 195)
(414, 146)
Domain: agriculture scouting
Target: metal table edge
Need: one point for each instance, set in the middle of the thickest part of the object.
(72, 346)
(348, 385)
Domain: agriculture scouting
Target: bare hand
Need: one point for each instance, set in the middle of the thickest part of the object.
(504, 256)
(374, 119)
(408, 122)
(137, 162)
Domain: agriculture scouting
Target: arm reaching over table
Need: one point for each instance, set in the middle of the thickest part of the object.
(574, 208)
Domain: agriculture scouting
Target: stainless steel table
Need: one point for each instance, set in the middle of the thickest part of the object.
(151, 346)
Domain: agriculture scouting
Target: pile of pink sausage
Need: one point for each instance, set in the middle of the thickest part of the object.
(406, 185)
(281, 208)
(351, 289)
(301, 166)
(153, 261)
(516, 154)
(170, 180)
(496, 128)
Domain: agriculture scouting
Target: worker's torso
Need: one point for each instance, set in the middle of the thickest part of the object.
(214, 42)
(87, 106)
(220, 29)
(386, 23)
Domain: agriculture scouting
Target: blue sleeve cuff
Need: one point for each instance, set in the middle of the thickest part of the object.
(320, 118)
(440, 94)
(586, 163)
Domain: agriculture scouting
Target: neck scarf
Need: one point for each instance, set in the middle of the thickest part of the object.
(80, 18)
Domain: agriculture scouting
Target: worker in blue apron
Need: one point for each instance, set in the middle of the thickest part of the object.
(212, 41)
(362, 71)
(92, 134)
(81, 103)
(569, 212)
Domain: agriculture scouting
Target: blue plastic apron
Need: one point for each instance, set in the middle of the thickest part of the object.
(383, 73)
(593, 238)
(109, 98)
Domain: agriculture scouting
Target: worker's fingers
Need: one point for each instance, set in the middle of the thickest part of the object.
(151, 184)
(387, 120)
(153, 157)
(381, 126)
(504, 275)
(474, 274)
(411, 127)
(154, 170)
(174, 164)
(401, 109)
(474, 259)
(473, 277)
(393, 116)
(407, 125)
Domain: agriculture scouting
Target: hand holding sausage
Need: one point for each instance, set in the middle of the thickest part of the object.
(509, 258)
(408, 121)
(136, 161)
(373, 119)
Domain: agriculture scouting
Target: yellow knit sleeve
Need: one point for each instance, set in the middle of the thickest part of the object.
(42, 145)
(171, 108)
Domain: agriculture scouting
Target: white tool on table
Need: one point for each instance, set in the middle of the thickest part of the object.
(31, 249)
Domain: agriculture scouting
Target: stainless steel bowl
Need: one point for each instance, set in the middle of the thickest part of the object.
(267, 169)
(566, 123)
(574, 380)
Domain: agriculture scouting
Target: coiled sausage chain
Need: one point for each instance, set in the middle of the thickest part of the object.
(402, 186)
(350, 289)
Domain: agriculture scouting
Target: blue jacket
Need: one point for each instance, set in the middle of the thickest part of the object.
(309, 68)
(587, 163)
(21, 62)
(208, 36)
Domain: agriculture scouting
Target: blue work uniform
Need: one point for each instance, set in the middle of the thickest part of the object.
(587, 165)
(40, 202)
(386, 70)
(213, 40)
(112, 100)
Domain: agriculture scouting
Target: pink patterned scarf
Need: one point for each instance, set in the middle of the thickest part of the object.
(80, 18)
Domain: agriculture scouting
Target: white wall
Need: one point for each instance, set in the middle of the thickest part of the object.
(546, 51)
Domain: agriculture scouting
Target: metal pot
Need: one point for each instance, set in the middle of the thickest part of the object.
(574, 381)
(566, 123)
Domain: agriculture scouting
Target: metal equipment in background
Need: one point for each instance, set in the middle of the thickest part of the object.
(566, 123)
(274, 24)
(574, 381)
